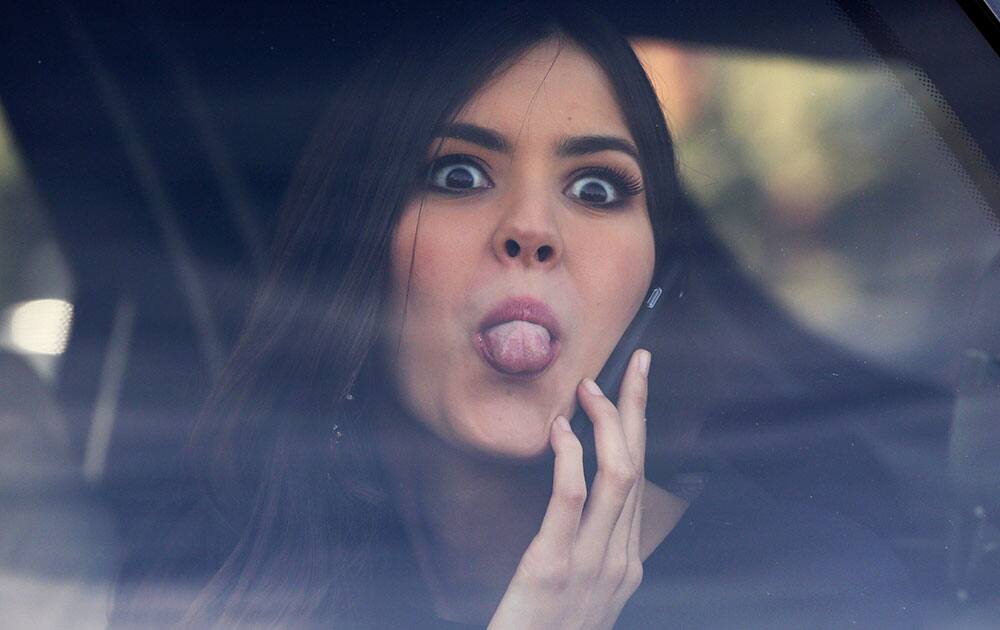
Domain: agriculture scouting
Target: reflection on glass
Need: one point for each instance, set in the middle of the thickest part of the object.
(37, 326)
(35, 283)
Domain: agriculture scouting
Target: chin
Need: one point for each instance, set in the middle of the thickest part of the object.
(521, 452)
(516, 441)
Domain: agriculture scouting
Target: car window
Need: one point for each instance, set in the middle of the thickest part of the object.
(37, 288)
(59, 545)
(837, 193)
(843, 156)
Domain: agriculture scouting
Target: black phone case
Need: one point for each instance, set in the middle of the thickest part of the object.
(665, 290)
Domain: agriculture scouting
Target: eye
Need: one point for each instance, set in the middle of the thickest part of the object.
(456, 174)
(604, 187)
(593, 190)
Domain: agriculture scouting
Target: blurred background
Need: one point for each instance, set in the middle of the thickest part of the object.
(836, 192)
(844, 151)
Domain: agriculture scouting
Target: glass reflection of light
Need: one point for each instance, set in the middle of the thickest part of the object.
(37, 326)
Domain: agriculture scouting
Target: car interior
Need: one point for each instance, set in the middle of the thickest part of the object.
(844, 153)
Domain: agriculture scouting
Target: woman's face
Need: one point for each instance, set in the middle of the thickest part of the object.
(534, 251)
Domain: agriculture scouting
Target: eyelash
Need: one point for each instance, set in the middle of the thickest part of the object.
(626, 184)
(452, 160)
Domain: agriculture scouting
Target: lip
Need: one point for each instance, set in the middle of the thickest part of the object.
(524, 309)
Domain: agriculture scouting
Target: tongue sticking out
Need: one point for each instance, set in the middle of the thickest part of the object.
(518, 346)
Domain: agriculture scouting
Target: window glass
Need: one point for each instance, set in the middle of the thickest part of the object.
(835, 191)
(36, 287)
(57, 539)
(826, 374)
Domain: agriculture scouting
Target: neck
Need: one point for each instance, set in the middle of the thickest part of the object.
(470, 518)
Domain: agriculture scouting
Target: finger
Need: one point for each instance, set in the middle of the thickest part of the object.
(632, 399)
(618, 555)
(615, 475)
(569, 490)
(635, 527)
(635, 434)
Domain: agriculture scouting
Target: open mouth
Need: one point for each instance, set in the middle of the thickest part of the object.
(517, 348)
(519, 337)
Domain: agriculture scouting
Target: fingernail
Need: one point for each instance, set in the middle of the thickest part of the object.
(592, 387)
(563, 423)
(644, 358)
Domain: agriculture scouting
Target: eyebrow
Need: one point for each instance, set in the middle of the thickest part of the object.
(568, 147)
(486, 138)
(585, 145)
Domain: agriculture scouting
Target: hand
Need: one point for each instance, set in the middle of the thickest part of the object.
(578, 572)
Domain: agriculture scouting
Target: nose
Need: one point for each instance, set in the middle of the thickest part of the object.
(528, 236)
(514, 249)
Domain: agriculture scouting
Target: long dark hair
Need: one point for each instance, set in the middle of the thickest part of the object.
(294, 502)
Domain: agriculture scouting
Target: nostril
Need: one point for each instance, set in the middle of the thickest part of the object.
(513, 249)
(544, 252)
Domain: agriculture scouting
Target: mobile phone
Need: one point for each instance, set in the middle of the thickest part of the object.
(663, 291)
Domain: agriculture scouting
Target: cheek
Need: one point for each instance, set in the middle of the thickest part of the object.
(416, 264)
(640, 259)
(402, 249)
(616, 282)
(621, 268)
(406, 337)
(429, 283)
(429, 258)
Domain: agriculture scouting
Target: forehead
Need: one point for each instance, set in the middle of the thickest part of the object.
(553, 89)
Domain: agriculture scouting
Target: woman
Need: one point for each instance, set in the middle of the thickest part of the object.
(470, 234)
